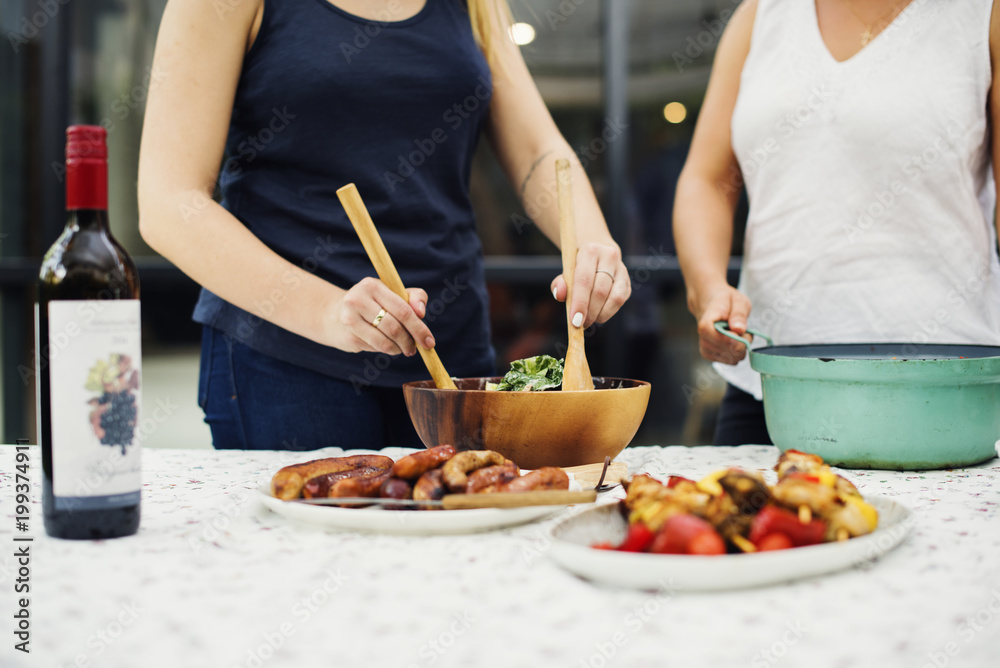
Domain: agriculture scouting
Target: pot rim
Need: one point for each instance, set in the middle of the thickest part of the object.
(883, 363)
(770, 363)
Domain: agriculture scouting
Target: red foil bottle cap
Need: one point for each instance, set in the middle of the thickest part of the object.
(86, 167)
(86, 142)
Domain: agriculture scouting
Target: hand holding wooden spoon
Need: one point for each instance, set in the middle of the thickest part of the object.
(576, 371)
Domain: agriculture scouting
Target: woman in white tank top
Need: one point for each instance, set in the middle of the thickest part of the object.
(862, 133)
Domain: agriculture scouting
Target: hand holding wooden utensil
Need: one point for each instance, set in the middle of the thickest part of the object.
(370, 239)
(576, 371)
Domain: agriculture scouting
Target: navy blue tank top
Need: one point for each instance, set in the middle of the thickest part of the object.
(327, 98)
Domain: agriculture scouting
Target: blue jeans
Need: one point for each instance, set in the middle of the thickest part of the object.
(255, 402)
(741, 419)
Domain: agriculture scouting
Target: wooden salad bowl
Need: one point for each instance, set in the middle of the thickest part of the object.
(534, 429)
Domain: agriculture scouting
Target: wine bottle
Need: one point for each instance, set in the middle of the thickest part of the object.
(88, 360)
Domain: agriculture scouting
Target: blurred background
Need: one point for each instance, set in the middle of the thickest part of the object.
(624, 80)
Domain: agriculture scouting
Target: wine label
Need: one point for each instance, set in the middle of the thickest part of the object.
(96, 390)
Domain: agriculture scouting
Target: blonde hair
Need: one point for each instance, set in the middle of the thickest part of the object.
(490, 19)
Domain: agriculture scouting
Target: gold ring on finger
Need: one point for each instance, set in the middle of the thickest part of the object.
(378, 318)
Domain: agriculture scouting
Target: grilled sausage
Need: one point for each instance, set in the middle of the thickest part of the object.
(456, 470)
(362, 485)
(430, 486)
(547, 477)
(394, 488)
(319, 487)
(288, 482)
(413, 466)
(491, 478)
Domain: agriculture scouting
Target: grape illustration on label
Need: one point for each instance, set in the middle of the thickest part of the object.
(113, 413)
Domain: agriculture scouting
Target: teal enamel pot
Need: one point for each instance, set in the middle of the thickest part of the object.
(882, 405)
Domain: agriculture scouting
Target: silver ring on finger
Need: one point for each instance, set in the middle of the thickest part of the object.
(609, 273)
(378, 318)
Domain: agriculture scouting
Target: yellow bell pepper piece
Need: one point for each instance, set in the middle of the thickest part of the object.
(710, 483)
(827, 477)
(867, 511)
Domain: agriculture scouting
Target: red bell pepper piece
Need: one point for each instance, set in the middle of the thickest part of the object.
(673, 480)
(687, 534)
(772, 519)
(638, 538)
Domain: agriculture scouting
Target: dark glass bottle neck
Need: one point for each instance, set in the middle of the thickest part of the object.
(94, 220)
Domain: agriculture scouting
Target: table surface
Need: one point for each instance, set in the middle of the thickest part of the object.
(215, 579)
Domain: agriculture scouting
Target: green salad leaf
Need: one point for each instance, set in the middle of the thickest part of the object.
(532, 374)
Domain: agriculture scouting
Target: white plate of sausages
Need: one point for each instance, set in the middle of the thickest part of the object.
(424, 475)
(406, 522)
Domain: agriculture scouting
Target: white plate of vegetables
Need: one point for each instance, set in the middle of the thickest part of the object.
(730, 530)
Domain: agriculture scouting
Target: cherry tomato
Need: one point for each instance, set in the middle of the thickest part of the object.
(707, 543)
(687, 534)
(774, 541)
(638, 539)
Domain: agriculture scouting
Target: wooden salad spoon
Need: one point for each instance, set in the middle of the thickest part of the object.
(357, 212)
(576, 371)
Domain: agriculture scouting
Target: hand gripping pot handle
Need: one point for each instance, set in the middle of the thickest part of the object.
(722, 327)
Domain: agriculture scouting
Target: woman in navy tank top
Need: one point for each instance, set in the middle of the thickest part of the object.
(279, 103)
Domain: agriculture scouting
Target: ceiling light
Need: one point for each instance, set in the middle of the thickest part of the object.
(522, 33)
(675, 112)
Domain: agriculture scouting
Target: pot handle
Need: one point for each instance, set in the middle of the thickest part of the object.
(722, 327)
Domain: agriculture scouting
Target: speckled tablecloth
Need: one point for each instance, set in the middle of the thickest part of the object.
(215, 579)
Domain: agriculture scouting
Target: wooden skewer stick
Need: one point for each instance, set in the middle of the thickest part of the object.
(743, 543)
(805, 514)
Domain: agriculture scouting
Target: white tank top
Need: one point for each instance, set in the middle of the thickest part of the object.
(871, 196)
